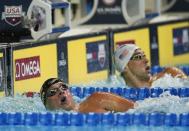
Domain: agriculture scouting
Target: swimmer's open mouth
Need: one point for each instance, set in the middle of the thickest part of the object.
(148, 68)
(63, 99)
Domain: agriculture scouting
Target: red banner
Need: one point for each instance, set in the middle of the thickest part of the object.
(27, 68)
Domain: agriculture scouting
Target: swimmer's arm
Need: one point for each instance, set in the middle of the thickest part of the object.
(111, 102)
(173, 71)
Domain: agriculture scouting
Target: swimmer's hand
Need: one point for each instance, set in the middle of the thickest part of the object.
(173, 71)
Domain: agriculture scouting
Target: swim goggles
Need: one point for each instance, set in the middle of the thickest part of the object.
(138, 57)
(52, 92)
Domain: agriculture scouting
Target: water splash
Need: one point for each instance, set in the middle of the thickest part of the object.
(166, 103)
(20, 103)
(169, 81)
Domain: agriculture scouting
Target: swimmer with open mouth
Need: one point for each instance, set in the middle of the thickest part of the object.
(56, 95)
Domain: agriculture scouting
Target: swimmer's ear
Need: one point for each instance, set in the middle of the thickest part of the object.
(128, 70)
(126, 67)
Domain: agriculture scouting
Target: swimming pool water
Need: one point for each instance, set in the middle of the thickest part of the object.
(164, 107)
(168, 100)
(92, 121)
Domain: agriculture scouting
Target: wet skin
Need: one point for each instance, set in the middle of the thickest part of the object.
(61, 98)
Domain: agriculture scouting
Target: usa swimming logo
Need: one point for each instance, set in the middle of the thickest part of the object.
(12, 15)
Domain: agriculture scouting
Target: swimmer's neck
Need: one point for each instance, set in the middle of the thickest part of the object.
(133, 80)
(138, 83)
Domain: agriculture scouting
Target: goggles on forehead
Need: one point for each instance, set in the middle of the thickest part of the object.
(138, 57)
(52, 92)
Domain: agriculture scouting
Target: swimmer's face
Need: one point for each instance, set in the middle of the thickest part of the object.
(59, 97)
(138, 65)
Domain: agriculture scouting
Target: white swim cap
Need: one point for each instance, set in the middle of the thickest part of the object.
(123, 54)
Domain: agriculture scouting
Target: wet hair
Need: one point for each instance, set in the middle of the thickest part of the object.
(49, 82)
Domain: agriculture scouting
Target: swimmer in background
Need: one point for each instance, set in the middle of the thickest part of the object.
(55, 95)
(132, 63)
